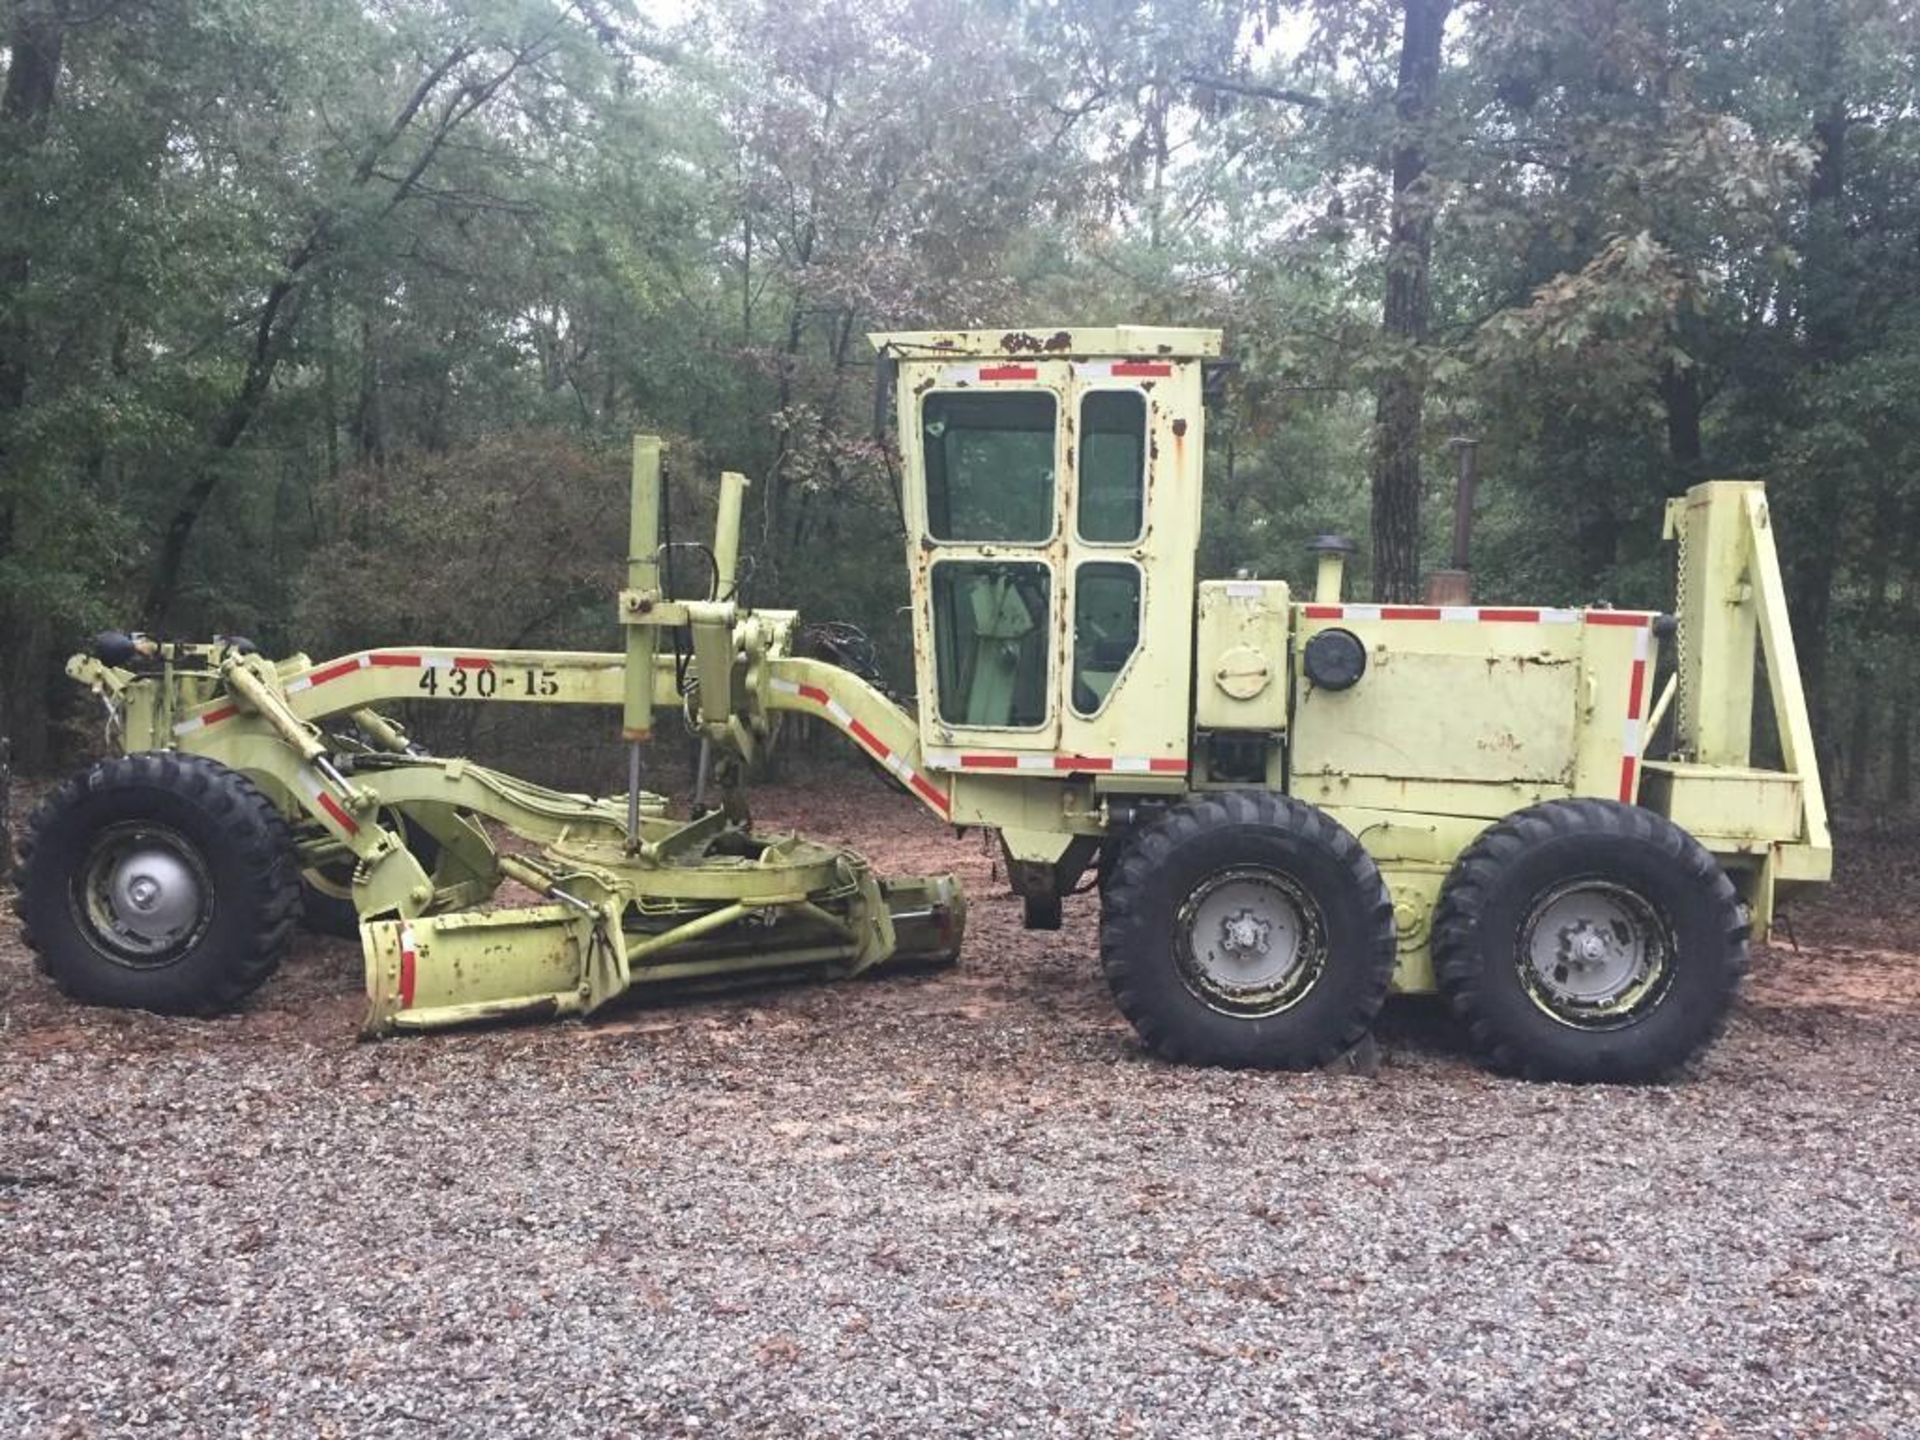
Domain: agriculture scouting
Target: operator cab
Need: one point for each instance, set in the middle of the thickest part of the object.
(1052, 497)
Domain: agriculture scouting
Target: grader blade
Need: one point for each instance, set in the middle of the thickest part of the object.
(546, 961)
(447, 970)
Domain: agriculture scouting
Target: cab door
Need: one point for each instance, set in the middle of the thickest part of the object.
(1054, 506)
(1130, 521)
(984, 504)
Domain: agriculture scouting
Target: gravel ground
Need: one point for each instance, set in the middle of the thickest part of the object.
(961, 1203)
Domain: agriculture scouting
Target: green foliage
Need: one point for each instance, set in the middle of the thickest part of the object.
(327, 323)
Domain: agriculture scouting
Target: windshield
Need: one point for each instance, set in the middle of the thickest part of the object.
(989, 461)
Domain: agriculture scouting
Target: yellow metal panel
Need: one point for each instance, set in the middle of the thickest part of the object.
(1474, 711)
(1726, 807)
(517, 960)
(1619, 657)
(1240, 655)
(1783, 670)
(1489, 704)
(1415, 715)
(1717, 622)
(643, 575)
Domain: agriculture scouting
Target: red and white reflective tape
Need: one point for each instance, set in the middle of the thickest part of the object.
(1477, 614)
(352, 665)
(338, 669)
(1125, 370)
(377, 659)
(1059, 764)
(1636, 713)
(316, 790)
(409, 966)
(870, 742)
(206, 718)
(428, 662)
(1027, 372)
(994, 372)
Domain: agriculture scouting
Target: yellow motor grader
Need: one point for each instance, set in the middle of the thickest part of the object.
(1290, 805)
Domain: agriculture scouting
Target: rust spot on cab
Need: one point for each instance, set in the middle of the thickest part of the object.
(1180, 428)
(1060, 340)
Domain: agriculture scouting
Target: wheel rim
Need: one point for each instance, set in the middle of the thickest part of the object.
(1594, 954)
(1250, 941)
(143, 895)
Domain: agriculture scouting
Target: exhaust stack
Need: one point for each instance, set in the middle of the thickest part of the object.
(1331, 577)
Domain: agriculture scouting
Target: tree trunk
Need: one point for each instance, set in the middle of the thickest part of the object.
(33, 77)
(1905, 691)
(1401, 398)
(34, 41)
(1868, 693)
(1811, 583)
(280, 311)
(1900, 765)
(6, 807)
(278, 316)
(1680, 389)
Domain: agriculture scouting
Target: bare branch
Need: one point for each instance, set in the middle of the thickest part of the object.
(469, 99)
(1249, 88)
(421, 92)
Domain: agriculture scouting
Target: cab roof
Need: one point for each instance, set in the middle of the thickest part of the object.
(1052, 341)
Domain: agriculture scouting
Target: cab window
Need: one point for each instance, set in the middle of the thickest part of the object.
(990, 642)
(989, 463)
(1106, 629)
(1113, 465)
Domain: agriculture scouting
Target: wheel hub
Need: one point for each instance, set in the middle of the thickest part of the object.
(1593, 951)
(154, 894)
(143, 894)
(1250, 942)
(1246, 934)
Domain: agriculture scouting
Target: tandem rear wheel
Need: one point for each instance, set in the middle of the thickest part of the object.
(1587, 940)
(1578, 940)
(1247, 929)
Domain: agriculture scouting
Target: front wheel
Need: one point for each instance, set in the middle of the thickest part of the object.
(1247, 929)
(1587, 940)
(158, 881)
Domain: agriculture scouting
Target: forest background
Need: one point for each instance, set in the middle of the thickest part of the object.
(326, 321)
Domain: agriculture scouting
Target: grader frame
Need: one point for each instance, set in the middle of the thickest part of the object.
(1290, 804)
(633, 897)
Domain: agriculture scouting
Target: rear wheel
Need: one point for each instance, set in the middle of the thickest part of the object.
(1589, 940)
(1247, 929)
(158, 882)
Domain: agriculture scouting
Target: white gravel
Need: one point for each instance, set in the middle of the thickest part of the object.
(961, 1204)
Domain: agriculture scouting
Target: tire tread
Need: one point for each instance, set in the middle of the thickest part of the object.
(252, 824)
(1123, 943)
(1469, 889)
